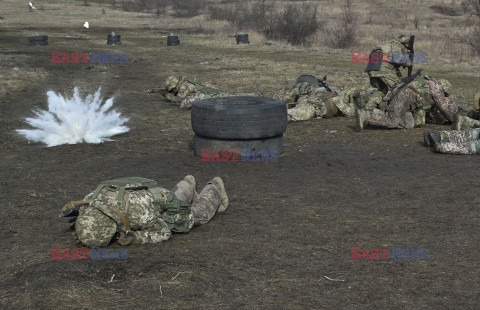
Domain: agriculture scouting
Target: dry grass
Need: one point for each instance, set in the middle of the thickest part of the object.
(263, 65)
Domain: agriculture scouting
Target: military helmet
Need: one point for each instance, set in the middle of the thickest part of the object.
(94, 228)
(172, 82)
(447, 87)
(305, 88)
(403, 39)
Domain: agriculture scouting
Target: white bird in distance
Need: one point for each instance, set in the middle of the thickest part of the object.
(86, 25)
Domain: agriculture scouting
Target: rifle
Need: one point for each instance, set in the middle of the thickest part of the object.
(410, 47)
(322, 82)
(404, 83)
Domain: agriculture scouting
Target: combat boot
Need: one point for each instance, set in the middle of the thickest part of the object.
(361, 117)
(431, 138)
(218, 183)
(474, 114)
(463, 122)
(373, 117)
(185, 190)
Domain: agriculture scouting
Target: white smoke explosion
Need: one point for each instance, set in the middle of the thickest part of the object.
(75, 120)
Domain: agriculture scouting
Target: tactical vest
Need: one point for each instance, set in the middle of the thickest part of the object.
(175, 213)
(421, 85)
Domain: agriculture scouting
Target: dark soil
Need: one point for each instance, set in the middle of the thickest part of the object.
(290, 223)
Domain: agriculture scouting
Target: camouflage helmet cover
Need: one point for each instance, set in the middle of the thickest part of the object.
(403, 39)
(94, 228)
(172, 82)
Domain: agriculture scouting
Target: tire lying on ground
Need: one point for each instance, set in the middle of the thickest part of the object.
(173, 41)
(273, 144)
(239, 117)
(38, 40)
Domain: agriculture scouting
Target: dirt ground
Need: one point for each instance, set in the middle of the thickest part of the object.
(290, 224)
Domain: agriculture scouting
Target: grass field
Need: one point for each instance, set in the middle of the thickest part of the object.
(289, 224)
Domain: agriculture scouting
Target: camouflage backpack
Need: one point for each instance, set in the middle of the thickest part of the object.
(175, 213)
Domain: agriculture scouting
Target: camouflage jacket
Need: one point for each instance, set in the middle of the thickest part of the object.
(150, 220)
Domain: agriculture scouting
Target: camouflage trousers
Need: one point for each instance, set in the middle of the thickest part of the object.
(398, 113)
(458, 142)
(448, 109)
(203, 205)
(198, 95)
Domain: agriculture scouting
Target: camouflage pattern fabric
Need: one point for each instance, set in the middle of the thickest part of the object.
(419, 117)
(420, 84)
(369, 100)
(449, 109)
(312, 101)
(389, 74)
(149, 222)
(344, 103)
(464, 122)
(301, 112)
(406, 100)
(459, 142)
(198, 95)
(396, 115)
(143, 216)
(206, 205)
(185, 87)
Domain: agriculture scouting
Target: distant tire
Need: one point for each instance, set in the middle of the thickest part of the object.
(267, 144)
(173, 41)
(307, 78)
(114, 39)
(242, 39)
(239, 117)
(38, 40)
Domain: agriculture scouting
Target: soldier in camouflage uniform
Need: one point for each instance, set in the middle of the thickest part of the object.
(422, 98)
(137, 211)
(472, 120)
(314, 100)
(389, 74)
(454, 141)
(186, 90)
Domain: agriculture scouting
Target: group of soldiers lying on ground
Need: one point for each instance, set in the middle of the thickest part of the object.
(138, 211)
(391, 101)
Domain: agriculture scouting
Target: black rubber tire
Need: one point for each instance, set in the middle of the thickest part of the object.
(38, 38)
(267, 144)
(242, 39)
(239, 117)
(307, 78)
(173, 41)
(37, 43)
(114, 37)
(114, 40)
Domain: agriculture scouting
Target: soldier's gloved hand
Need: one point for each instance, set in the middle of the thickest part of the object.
(125, 237)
